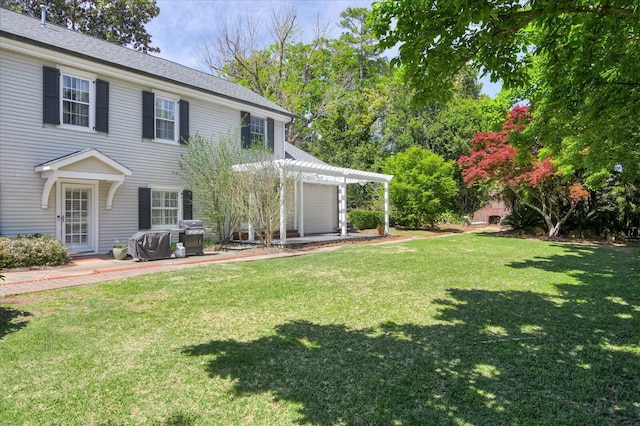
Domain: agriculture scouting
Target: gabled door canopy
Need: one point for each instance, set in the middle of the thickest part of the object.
(88, 164)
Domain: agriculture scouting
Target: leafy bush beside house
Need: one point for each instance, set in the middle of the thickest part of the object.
(366, 219)
(32, 250)
(422, 188)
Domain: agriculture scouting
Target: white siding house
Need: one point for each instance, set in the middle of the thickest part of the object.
(90, 134)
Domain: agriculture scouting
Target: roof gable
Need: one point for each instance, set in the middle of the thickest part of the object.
(87, 160)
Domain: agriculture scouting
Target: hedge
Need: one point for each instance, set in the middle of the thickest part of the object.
(32, 250)
(366, 219)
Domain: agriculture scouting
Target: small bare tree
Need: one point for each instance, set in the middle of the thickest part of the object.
(269, 57)
(267, 187)
(207, 170)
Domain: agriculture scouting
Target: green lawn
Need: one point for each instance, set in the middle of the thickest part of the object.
(470, 329)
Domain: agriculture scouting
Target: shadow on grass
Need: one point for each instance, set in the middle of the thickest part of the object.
(177, 419)
(12, 320)
(493, 357)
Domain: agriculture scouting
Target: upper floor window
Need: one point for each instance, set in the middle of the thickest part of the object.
(165, 119)
(258, 130)
(76, 101)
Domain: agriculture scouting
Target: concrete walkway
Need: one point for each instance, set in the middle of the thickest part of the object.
(95, 269)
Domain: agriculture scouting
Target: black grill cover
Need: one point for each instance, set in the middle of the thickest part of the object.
(150, 245)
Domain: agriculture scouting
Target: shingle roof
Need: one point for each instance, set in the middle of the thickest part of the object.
(24, 28)
(292, 152)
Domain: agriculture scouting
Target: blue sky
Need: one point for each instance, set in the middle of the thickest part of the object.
(183, 24)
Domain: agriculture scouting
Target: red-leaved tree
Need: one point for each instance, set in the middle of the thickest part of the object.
(534, 182)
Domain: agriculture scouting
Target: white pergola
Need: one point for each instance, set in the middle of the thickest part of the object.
(323, 174)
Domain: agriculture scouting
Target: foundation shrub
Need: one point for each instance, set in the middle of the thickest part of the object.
(448, 218)
(366, 219)
(32, 250)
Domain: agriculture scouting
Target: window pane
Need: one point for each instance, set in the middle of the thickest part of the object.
(164, 129)
(165, 119)
(157, 201)
(75, 101)
(257, 128)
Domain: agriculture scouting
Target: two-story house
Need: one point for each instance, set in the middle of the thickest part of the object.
(90, 135)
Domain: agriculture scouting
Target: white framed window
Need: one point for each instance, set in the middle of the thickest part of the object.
(77, 99)
(258, 129)
(165, 208)
(166, 117)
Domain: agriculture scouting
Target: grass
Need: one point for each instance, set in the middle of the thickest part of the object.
(465, 330)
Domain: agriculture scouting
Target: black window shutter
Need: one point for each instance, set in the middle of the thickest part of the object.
(270, 134)
(51, 95)
(187, 205)
(148, 115)
(144, 208)
(102, 106)
(245, 129)
(184, 122)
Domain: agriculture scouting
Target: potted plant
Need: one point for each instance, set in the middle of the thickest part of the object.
(380, 226)
(119, 250)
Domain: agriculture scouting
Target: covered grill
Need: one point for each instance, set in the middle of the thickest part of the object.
(150, 245)
(192, 236)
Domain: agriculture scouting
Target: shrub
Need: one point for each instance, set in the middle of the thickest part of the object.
(423, 186)
(32, 250)
(366, 219)
(523, 217)
(448, 218)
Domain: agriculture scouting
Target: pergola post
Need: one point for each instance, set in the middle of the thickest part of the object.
(295, 206)
(283, 210)
(301, 197)
(343, 207)
(386, 208)
(250, 231)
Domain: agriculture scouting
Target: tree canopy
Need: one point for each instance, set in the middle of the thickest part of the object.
(118, 21)
(438, 39)
(356, 111)
(577, 62)
(534, 182)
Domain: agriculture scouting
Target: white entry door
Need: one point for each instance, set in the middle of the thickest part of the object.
(77, 218)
